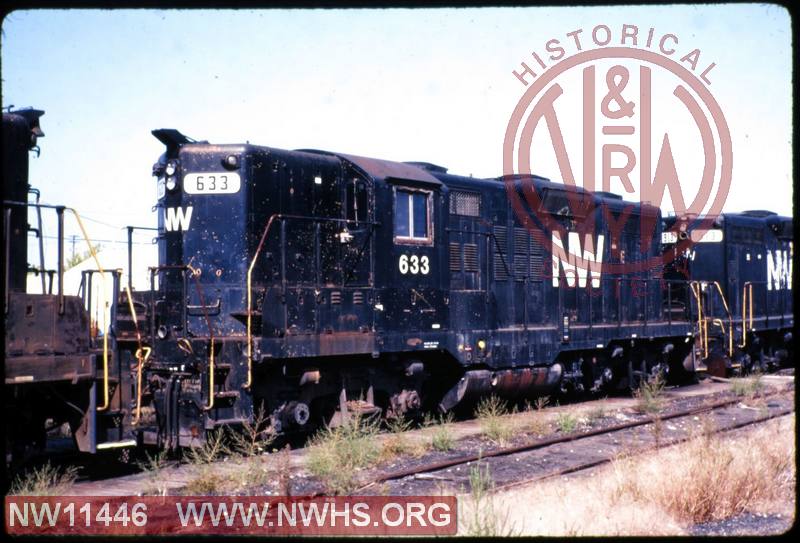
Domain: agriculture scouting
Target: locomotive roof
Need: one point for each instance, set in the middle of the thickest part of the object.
(387, 169)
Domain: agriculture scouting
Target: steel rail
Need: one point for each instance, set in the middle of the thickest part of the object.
(540, 444)
(594, 463)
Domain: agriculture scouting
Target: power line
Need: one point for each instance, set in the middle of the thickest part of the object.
(108, 241)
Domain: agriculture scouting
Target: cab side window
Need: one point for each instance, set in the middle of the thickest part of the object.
(413, 216)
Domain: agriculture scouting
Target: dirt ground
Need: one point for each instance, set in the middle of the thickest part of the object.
(599, 503)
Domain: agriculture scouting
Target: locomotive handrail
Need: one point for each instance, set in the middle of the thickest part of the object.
(60, 213)
(730, 320)
(747, 295)
(196, 275)
(250, 276)
(701, 329)
(139, 354)
(106, 308)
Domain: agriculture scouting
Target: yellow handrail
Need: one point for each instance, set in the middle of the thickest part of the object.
(211, 379)
(141, 361)
(730, 319)
(106, 316)
(702, 330)
(140, 358)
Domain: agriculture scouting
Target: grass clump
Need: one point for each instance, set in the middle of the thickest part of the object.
(713, 477)
(482, 517)
(490, 413)
(566, 423)
(596, 414)
(46, 480)
(748, 387)
(649, 395)
(154, 466)
(207, 482)
(396, 444)
(442, 439)
(336, 454)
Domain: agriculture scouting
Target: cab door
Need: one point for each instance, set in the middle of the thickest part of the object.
(346, 259)
(415, 300)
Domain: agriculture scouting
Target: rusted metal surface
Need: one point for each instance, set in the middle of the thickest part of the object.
(34, 326)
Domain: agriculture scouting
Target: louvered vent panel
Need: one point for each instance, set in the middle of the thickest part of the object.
(521, 238)
(500, 273)
(358, 297)
(470, 257)
(336, 297)
(501, 236)
(465, 203)
(537, 263)
(455, 257)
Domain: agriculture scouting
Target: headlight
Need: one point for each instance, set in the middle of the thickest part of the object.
(171, 168)
(172, 182)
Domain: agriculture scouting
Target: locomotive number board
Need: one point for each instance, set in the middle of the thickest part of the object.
(212, 183)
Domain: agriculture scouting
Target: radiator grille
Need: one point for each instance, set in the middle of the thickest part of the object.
(465, 203)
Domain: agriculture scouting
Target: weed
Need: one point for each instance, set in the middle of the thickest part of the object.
(251, 440)
(398, 425)
(396, 443)
(483, 518)
(204, 483)
(596, 414)
(658, 430)
(211, 451)
(566, 423)
(748, 387)
(283, 471)
(649, 395)
(428, 419)
(44, 481)
(490, 413)
(541, 402)
(442, 441)
(536, 426)
(154, 467)
(712, 477)
(336, 454)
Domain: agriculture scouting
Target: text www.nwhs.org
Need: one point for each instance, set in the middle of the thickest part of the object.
(365, 515)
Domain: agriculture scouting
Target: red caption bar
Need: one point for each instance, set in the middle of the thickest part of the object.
(228, 515)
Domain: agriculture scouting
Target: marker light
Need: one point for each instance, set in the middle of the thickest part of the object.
(172, 182)
(231, 162)
(171, 168)
(481, 344)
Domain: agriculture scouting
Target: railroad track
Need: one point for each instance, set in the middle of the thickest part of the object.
(423, 478)
(550, 457)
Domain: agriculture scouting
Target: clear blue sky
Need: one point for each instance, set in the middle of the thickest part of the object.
(432, 85)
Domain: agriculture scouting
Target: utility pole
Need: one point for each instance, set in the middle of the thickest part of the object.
(74, 238)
